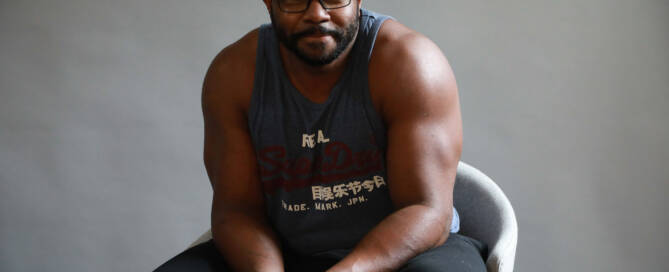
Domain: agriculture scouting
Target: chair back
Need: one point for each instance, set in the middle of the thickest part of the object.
(486, 215)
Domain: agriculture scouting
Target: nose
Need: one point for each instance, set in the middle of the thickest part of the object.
(316, 13)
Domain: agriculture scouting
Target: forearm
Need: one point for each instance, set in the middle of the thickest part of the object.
(399, 237)
(247, 243)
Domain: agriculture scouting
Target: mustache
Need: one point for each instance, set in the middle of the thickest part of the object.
(317, 30)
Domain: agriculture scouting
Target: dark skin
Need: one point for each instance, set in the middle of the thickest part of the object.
(412, 87)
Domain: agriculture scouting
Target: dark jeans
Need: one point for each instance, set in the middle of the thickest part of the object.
(459, 254)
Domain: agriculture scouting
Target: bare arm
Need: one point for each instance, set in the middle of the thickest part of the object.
(238, 220)
(421, 108)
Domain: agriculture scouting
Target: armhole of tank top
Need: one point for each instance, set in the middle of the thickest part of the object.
(376, 119)
(258, 82)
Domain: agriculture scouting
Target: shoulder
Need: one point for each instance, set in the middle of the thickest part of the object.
(394, 37)
(229, 78)
(408, 69)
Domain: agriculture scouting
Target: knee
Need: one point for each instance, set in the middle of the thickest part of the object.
(440, 266)
(457, 254)
(201, 258)
(422, 266)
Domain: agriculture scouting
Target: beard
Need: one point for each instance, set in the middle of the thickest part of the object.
(342, 37)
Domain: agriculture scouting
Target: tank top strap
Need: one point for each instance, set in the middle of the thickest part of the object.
(369, 27)
(370, 23)
(259, 84)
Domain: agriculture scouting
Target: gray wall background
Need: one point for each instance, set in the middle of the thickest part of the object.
(565, 104)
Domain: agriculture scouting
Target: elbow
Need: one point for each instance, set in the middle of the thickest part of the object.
(445, 227)
(441, 217)
(437, 221)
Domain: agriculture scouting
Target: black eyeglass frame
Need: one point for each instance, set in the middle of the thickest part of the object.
(309, 3)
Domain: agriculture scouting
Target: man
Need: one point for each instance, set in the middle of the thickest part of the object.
(331, 140)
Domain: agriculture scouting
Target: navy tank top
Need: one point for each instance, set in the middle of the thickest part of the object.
(322, 165)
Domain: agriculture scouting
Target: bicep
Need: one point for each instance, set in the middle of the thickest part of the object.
(232, 168)
(424, 129)
(422, 157)
(229, 155)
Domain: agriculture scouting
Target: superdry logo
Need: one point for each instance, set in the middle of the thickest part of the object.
(337, 162)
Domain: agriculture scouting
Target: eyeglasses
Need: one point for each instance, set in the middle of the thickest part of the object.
(297, 6)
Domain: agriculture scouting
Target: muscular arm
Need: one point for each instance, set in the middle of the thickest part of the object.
(238, 220)
(420, 106)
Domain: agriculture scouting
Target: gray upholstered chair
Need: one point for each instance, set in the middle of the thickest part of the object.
(485, 214)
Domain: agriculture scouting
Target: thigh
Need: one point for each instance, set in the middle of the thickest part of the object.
(458, 254)
(201, 258)
(317, 262)
(206, 257)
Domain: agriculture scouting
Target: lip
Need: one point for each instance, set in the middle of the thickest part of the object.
(317, 37)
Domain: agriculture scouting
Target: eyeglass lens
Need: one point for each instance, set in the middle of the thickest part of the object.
(302, 5)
